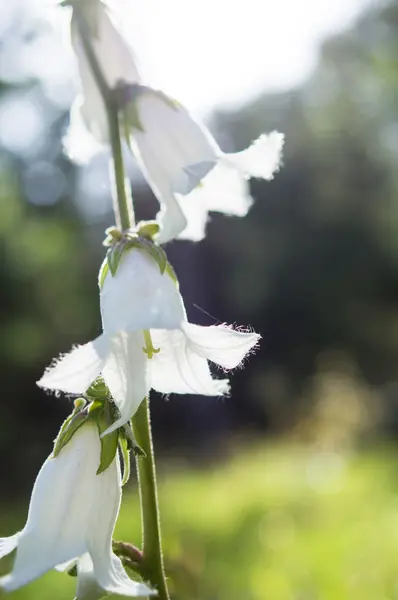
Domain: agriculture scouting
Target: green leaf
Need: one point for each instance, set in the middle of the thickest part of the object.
(109, 443)
(124, 449)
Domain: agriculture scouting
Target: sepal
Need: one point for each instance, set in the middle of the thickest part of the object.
(68, 429)
(141, 239)
(109, 442)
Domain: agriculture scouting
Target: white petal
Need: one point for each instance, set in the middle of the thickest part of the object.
(116, 581)
(125, 373)
(221, 344)
(73, 373)
(107, 568)
(178, 368)
(8, 544)
(116, 59)
(171, 218)
(80, 142)
(196, 216)
(224, 190)
(139, 296)
(171, 140)
(87, 586)
(63, 500)
(262, 159)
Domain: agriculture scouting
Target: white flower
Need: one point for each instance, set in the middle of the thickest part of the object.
(142, 308)
(72, 516)
(187, 170)
(117, 63)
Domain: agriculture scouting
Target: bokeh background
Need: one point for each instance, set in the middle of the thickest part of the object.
(287, 490)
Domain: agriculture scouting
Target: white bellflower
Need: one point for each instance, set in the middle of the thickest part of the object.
(147, 343)
(72, 516)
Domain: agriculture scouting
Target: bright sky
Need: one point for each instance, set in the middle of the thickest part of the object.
(218, 52)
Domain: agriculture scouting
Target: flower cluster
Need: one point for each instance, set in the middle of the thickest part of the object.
(147, 341)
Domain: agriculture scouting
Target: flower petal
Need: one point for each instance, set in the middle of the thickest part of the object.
(104, 566)
(73, 373)
(221, 344)
(178, 368)
(170, 140)
(262, 159)
(171, 218)
(8, 544)
(125, 373)
(116, 59)
(224, 190)
(61, 508)
(139, 296)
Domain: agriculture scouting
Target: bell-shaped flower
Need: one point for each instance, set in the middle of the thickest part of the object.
(147, 342)
(186, 169)
(72, 515)
(115, 58)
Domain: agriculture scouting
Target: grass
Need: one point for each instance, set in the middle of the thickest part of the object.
(276, 522)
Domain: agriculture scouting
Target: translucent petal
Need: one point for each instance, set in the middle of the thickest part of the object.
(117, 62)
(224, 190)
(139, 296)
(172, 220)
(262, 159)
(61, 508)
(171, 140)
(178, 368)
(125, 373)
(221, 344)
(8, 544)
(73, 373)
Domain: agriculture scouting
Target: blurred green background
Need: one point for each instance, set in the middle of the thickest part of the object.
(288, 489)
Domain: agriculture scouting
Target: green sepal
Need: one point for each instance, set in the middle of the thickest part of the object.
(172, 274)
(103, 272)
(98, 391)
(127, 433)
(125, 452)
(148, 229)
(69, 428)
(156, 252)
(113, 235)
(109, 442)
(113, 256)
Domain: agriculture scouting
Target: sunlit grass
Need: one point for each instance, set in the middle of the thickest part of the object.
(276, 522)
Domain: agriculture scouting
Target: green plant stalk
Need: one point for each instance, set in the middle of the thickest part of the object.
(122, 204)
(152, 565)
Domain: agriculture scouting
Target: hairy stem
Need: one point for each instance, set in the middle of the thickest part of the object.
(152, 567)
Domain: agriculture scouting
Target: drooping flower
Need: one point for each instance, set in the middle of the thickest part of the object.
(187, 170)
(147, 342)
(72, 515)
(115, 57)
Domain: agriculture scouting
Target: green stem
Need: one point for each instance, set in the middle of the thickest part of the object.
(152, 567)
(152, 563)
(122, 205)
